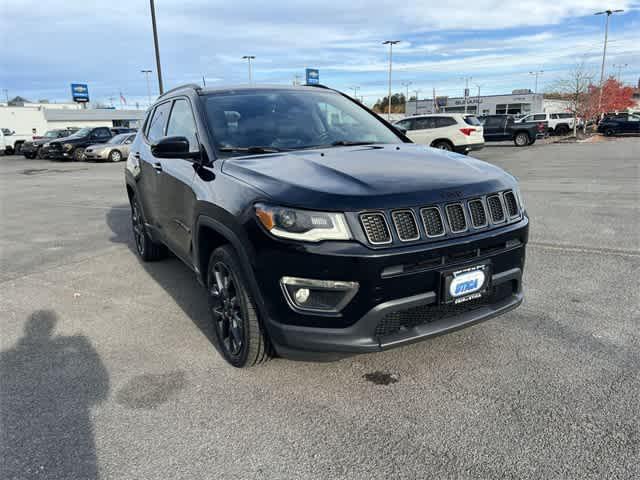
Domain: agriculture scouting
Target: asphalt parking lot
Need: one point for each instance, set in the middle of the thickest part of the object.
(107, 369)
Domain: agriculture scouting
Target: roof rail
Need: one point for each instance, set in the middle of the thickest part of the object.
(317, 85)
(194, 86)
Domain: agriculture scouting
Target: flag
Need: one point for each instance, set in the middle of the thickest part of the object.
(123, 101)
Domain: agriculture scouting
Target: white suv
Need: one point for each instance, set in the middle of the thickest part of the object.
(557, 123)
(448, 131)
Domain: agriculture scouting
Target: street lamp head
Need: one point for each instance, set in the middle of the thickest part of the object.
(248, 57)
(390, 42)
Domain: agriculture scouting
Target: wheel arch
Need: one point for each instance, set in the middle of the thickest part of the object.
(443, 139)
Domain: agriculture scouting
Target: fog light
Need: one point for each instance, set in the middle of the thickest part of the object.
(302, 295)
(320, 296)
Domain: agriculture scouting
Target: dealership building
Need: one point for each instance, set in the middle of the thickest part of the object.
(519, 102)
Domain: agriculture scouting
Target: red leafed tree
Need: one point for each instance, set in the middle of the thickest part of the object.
(615, 96)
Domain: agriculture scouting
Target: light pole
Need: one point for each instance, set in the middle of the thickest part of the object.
(406, 99)
(6, 94)
(391, 43)
(620, 66)
(604, 49)
(466, 92)
(146, 74)
(248, 58)
(478, 99)
(355, 89)
(157, 48)
(417, 92)
(537, 73)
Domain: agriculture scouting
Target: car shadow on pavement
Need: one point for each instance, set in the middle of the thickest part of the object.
(48, 384)
(171, 274)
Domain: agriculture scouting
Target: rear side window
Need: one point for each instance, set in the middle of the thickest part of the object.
(444, 122)
(494, 122)
(182, 124)
(102, 132)
(539, 117)
(472, 121)
(155, 130)
(424, 123)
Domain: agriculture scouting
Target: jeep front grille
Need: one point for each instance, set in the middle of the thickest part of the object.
(495, 208)
(442, 220)
(478, 214)
(375, 228)
(432, 221)
(456, 218)
(511, 204)
(406, 226)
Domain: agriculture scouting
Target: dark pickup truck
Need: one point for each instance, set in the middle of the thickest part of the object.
(498, 128)
(72, 147)
(32, 149)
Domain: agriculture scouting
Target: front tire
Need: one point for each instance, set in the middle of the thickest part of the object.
(238, 332)
(609, 132)
(115, 156)
(147, 249)
(521, 139)
(78, 154)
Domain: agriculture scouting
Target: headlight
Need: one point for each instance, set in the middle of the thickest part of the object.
(67, 147)
(303, 225)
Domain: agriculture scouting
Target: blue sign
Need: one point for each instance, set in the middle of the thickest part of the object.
(80, 92)
(313, 76)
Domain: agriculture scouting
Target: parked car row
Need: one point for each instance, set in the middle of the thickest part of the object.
(464, 133)
(80, 144)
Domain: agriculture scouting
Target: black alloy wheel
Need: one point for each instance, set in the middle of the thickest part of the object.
(239, 334)
(145, 246)
(228, 317)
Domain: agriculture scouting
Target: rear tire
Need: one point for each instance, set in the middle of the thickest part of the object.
(522, 139)
(239, 334)
(443, 145)
(561, 130)
(147, 249)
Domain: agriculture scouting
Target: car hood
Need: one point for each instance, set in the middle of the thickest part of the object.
(68, 140)
(364, 177)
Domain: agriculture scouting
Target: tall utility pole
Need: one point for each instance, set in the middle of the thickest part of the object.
(391, 43)
(248, 58)
(155, 43)
(406, 99)
(146, 74)
(537, 73)
(620, 66)
(416, 92)
(6, 94)
(355, 89)
(478, 99)
(604, 49)
(466, 92)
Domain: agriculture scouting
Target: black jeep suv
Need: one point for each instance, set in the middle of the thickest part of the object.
(317, 228)
(73, 146)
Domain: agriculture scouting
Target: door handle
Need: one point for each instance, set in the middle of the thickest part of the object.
(136, 155)
(157, 166)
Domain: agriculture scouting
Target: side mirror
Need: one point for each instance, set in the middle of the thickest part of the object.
(172, 147)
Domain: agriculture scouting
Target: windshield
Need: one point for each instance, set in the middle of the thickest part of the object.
(83, 132)
(52, 134)
(289, 120)
(118, 138)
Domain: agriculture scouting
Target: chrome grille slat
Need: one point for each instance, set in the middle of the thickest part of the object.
(477, 213)
(495, 208)
(432, 221)
(511, 203)
(376, 228)
(405, 223)
(456, 217)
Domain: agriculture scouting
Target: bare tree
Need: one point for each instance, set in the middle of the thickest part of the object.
(577, 87)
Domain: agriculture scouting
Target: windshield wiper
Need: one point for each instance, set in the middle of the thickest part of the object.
(347, 143)
(252, 149)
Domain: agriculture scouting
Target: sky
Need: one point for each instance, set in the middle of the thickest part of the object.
(48, 45)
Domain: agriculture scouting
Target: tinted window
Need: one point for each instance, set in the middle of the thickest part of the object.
(102, 133)
(471, 120)
(424, 123)
(494, 122)
(444, 122)
(181, 124)
(290, 119)
(540, 117)
(406, 124)
(155, 130)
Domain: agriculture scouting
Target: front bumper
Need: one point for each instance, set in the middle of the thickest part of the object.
(468, 148)
(95, 155)
(367, 323)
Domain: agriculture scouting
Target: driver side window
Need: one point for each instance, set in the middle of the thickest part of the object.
(182, 124)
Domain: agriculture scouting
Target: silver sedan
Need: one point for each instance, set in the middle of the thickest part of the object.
(115, 150)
